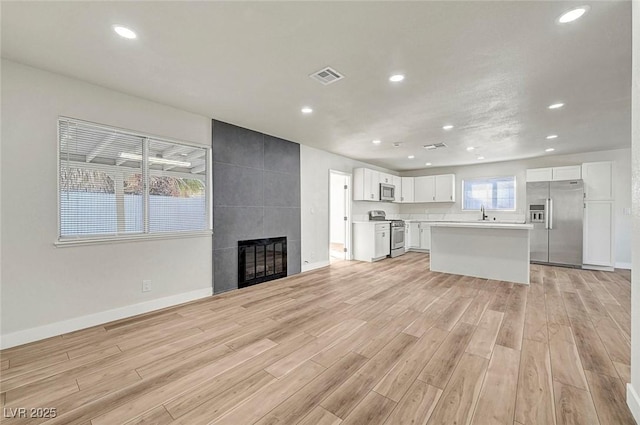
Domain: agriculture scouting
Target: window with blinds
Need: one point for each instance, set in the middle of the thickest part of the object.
(116, 183)
(495, 193)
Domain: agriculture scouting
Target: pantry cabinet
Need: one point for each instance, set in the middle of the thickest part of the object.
(598, 181)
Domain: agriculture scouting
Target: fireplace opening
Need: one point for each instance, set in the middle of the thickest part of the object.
(261, 260)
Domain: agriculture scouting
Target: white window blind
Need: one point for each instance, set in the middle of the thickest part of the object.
(115, 183)
(494, 193)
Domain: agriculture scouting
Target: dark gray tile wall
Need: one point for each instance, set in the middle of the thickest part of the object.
(256, 194)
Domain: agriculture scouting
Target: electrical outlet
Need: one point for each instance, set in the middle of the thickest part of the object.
(146, 285)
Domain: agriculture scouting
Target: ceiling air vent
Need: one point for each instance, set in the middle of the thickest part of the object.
(327, 76)
(435, 146)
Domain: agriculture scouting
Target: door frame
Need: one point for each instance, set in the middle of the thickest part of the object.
(347, 207)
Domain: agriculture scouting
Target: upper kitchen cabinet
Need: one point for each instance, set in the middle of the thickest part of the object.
(539, 175)
(366, 185)
(407, 192)
(598, 180)
(425, 189)
(570, 172)
(385, 178)
(435, 188)
(446, 188)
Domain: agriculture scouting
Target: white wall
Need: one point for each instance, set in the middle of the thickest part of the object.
(633, 392)
(47, 289)
(314, 198)
(622, 186)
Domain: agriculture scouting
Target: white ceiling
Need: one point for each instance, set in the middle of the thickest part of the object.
(489, 68)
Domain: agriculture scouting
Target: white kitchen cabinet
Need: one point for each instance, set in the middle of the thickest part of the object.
(434, 188)
(397, 182)
(366, 185)
(386, 178)
(539, 175)
(445, 188)
(570, 172)
(413, 240)
(406, 195)
(371, 240)
(598, 181)
(382, 240)
(598, 234)
(425, 236)
(425, 189)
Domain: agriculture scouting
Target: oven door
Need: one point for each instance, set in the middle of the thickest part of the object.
(397, 237)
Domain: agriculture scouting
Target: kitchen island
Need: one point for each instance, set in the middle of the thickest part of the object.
(489, 250)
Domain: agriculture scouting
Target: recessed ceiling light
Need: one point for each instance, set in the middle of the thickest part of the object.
(549, 150)
(552, 136)
(396, 78)
(481, 158)
(376, 142)
(447, 127)
(556, 105)
(411, 156)
(427, 164)
(470, 148)
(573, 14)
(306, 110)
(124, 32)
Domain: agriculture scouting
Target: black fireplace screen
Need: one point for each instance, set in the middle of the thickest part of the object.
(261, 260)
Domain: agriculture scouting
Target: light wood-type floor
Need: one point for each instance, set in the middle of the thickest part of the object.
(353, 343)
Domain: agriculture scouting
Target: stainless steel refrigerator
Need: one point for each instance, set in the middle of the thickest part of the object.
(556, 211)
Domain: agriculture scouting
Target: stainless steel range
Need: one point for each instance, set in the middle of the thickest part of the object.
(397, 231)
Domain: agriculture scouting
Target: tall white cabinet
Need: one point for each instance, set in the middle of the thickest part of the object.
(599, 202)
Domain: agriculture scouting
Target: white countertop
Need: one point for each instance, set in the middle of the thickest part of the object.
(485, 225)
(372, 222)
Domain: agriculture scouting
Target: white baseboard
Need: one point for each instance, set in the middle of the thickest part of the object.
(58, 328)
(633, 401)
(626, 266)
(600, 268)
(313, 266)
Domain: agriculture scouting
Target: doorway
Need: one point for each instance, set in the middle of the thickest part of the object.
(339, 216)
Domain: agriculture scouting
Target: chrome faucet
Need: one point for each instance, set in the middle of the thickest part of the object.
(484, 216)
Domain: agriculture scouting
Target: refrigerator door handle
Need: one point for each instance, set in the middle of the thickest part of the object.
(550, 214)
(546, 215)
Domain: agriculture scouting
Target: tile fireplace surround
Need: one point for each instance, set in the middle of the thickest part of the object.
(256, 195)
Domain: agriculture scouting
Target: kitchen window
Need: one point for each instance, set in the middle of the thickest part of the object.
(494, 193)
(116, 184)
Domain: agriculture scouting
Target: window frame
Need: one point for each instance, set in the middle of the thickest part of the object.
(62, 241)
(515, 193)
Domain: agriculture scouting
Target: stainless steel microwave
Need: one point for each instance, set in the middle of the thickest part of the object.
(387, 192)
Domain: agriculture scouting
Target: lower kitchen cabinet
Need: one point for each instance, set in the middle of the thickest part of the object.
(413, 238)
(425, 236)
(418, 236)
(371, 240)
